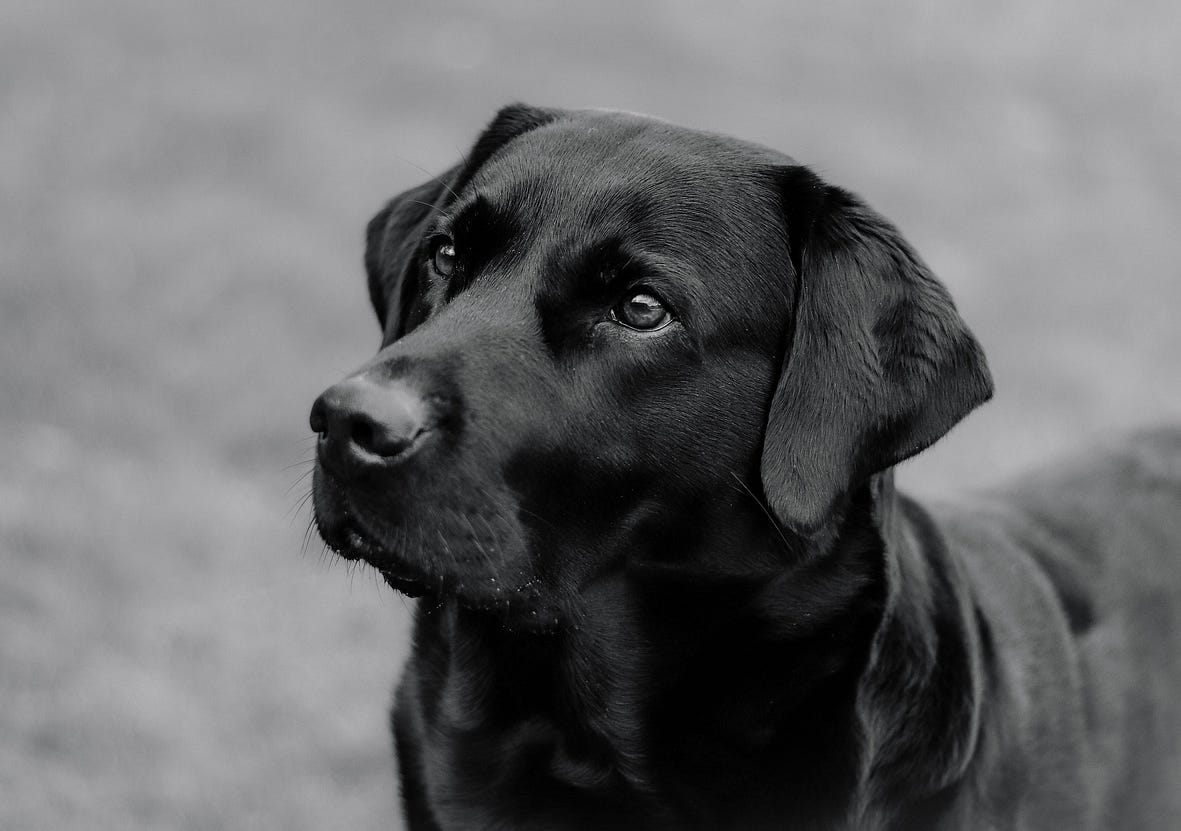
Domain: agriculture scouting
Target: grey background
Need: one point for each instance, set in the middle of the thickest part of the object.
(183, 189)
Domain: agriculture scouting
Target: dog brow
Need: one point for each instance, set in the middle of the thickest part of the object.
(482, 233)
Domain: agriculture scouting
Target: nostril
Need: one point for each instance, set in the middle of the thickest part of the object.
(388, 438)
(318, 420)
(362, 434)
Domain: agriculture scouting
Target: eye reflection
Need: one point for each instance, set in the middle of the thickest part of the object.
(443, 260)
(642, 311)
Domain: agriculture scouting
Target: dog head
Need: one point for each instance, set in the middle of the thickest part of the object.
(612, 345)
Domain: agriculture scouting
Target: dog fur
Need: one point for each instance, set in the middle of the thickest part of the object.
(667, 581)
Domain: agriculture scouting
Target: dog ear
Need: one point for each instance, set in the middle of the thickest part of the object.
(393, 236)
(879, 364)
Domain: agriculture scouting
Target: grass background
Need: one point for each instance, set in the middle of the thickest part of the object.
(183, 189)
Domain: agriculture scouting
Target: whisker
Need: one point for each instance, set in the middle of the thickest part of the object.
(302, 477)
(446, 548)
(326, 559)
(770, 518)
(538, 517)
(424, 204)
(434, 178)
(306, 461)
(476, 539)
(307, 536)
(467, 162)
(293, 512)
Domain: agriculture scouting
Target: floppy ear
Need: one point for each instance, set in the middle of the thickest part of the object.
(393, 236)
(879, 365)
(391, 241)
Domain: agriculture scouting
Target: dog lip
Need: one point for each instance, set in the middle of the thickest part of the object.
(398, 573)
(407, 586)
(345, 534)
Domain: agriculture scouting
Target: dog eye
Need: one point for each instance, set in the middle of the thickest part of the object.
(641, 311)
(443, 258)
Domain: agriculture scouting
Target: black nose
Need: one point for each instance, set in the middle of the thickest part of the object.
(362, 422)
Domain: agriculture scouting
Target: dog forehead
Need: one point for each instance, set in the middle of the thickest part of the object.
(603, 159)
(595, 190)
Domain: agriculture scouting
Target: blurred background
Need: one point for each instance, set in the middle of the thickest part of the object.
(183, 193)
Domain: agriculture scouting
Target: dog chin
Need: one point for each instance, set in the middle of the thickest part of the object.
(508, 590)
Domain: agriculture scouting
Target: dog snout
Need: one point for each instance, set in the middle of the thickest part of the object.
(364, 423)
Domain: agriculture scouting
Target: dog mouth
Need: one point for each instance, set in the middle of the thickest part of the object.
(359, 545)
(342, 531)
(475, 577)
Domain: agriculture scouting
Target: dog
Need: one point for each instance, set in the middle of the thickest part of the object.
(630, 437)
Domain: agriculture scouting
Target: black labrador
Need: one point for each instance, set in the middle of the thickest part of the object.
(630, 435)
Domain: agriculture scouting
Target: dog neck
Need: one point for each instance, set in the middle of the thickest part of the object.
(851, 677)
(921, 698)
